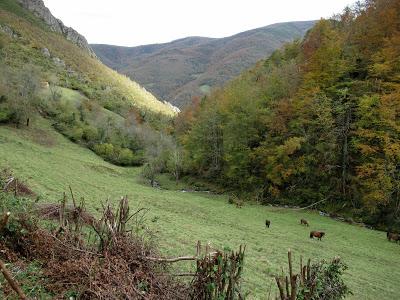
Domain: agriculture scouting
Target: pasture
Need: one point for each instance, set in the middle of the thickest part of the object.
(49, 163)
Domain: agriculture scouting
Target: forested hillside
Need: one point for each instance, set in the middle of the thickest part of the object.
(27, 39)
(192, 66)
(319, 120)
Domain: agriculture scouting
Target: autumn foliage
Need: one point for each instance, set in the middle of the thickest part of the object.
(319, 119)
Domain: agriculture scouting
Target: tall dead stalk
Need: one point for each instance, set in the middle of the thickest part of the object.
(113, 223)
(287, 285)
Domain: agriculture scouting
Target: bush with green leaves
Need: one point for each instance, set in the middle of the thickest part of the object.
(104, 150)
(326, 282)
(118, 155)
(6, 114)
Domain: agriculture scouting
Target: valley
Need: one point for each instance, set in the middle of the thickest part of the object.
(49, 163)
(115, 161)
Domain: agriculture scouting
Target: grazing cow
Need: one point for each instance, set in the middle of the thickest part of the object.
(304, 222)
(317, 234)
(393, 236)
(267, 223)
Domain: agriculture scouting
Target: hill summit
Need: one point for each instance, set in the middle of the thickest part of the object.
(192, 66)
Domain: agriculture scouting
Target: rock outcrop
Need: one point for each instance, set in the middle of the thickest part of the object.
(7, 30)
(38, 8)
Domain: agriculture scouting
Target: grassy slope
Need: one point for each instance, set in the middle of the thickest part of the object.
(50, 163)
(36, 36)
(76, 98)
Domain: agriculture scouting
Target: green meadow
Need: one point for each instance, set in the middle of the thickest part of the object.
(49, 163)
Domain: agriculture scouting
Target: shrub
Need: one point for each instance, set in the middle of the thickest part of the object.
(321, 280)
(149, 172)
(104, 150)
(2, 42)
(328, 281)
(125, 157)
(90, 133)
(75, 133)
(6, 115)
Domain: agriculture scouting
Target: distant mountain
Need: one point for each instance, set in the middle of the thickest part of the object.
(188, 67)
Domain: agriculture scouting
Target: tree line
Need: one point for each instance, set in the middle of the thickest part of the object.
(319, 119)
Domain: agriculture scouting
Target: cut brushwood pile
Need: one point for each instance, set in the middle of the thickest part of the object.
(105, 258)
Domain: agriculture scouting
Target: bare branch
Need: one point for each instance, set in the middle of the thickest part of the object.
(323, 200)
(11, 281)
(170, 260)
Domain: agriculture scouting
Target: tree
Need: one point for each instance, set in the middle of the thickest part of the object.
(318, 119)
(54, 89)
(378, 146)
(204, 143)
(175, 161)
(19, 90)
(24, 104)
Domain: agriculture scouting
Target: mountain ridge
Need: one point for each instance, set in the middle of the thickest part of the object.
(38, 8)
(184, 68)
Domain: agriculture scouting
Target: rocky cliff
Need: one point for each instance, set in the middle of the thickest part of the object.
(38, 8)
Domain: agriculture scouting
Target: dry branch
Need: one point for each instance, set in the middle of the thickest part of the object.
(280, 287)
(72, 196)
(293, 278)
(16, 188)
(170, 260)
(11, 281)
(323, 200)
(179, 274)
(62, 211)
(73, 248)
(8, 183)
(288, 289)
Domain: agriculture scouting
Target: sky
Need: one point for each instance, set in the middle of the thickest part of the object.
(141, 22)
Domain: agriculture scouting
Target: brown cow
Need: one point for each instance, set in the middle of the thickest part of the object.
(267, 223)
(317, 234)
(393, 236)
(304, 222)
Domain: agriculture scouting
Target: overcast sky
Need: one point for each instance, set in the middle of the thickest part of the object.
(140, 22)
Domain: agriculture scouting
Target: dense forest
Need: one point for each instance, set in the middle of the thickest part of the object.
(319, 120)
